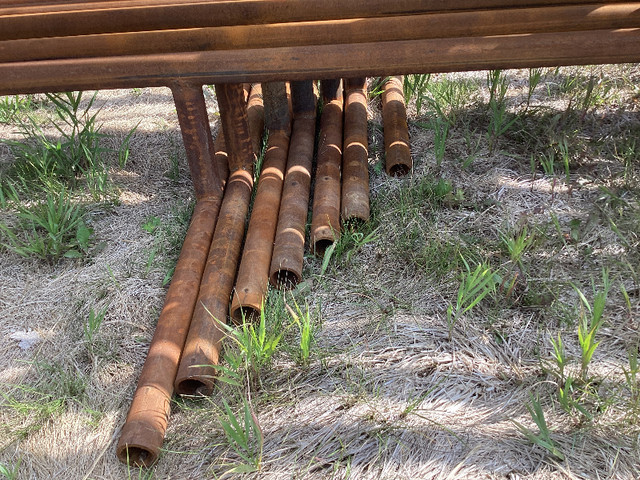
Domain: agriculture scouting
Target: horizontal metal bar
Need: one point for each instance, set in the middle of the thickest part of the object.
(31, 19)
(324, 61)
(594, 16)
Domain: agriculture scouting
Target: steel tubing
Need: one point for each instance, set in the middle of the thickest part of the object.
(276, 104)
(253, 273)
(324, 61)
(473, 23)
(143, 432)
(221, 157)
(56, 19)
(325, 220)
(196, 373)
(355, 171)
(288, 251)
(255, 115)
(234, 120)
(196, 135)
(398, 160)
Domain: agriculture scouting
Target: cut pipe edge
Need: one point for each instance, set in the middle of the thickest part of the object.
(253, 273)
(143, 432)
(355, 172)
(255, 116)
(285, 278)
(196, 371)
(288, 251)
(325, 221)
(398, 160)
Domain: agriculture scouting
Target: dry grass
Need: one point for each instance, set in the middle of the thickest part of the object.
(387, 394)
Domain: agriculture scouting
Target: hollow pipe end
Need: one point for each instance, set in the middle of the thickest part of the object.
(139, 443)
(245, 313)
(398, 170)
(321, 245)
(285, 279)
(247, 304)
(196, 386)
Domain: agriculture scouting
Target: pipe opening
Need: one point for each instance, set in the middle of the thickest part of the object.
(321, 245)
(399, 170)
(285, 279)
(137, 456)
(194, 387)
(246, 314)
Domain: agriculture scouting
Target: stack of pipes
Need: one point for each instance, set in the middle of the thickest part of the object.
(188, 334)
(62, 45)
(186, 347)
(59, 45)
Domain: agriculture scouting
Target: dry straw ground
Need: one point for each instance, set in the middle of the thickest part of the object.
(395, 387)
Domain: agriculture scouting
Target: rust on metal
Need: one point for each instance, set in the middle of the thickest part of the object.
(221, 157)
(196, 373)
(439, 55)
(198, 142)
(27, 19)
(255, 115)
(355, 171)
(253, 273)
(288, 250)
(143, 432)
(276, 105)
(235, 125)
(475, 23)
(325, 220)
(398, 160)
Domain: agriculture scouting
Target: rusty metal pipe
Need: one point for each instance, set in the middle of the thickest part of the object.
(325, 220)
(288, 251)
(355, 171)
(472, 23)
(196, 135)
(143, 432)
(55, 19)
(221, 157)
(398, 160)
(202, 348)
(324, 61)
(253, 273)
(255, 115)
(276, 105)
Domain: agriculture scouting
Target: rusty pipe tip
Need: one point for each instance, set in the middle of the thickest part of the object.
(320, 246)
(195, 387)
(139, 443)
(136, 455)
(285, 279)
(245, 314)
(246, 306)
(399, 170)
